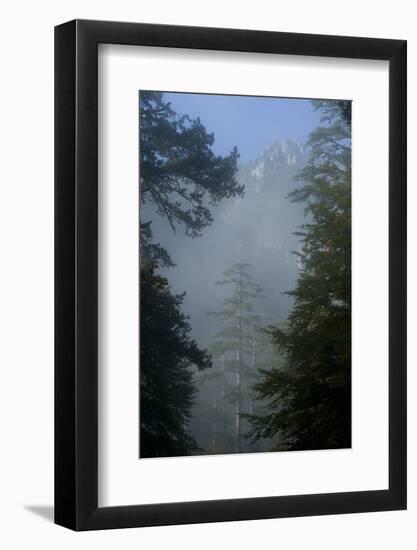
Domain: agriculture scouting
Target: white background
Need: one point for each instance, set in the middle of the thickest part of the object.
(123, 479)
(26, 203)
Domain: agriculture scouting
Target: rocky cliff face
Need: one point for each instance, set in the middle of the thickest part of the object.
(275, 168)
(263, 221)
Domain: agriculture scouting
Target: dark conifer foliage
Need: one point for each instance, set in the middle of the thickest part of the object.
(181, 178)
(310, 395)
(167, 355)
(179, 173)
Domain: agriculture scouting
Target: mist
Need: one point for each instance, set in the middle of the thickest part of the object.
(256, 230)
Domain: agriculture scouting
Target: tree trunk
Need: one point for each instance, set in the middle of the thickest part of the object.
(237, 407)
(214, 442)
(238, 368)
(253, 368)
(224, 404)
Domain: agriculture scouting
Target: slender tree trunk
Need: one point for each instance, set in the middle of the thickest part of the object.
(224, 404)
(255, 446)
(214, 442)
(253, 369)
(237, 407)
(239, 368)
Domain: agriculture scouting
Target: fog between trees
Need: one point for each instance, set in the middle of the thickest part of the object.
(219, 372)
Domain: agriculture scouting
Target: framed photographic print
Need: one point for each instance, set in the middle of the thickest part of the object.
(230, 338)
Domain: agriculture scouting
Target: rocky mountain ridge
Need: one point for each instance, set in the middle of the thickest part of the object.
(275, 167)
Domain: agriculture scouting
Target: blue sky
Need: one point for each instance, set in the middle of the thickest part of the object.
(250, 123)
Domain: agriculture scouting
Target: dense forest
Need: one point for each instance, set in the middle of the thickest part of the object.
(244, 288)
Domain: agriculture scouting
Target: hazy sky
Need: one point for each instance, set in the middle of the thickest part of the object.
(250, 123)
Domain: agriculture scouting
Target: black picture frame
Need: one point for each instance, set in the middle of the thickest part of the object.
(76, 272)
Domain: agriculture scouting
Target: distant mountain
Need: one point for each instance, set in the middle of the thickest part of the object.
(268, 180)
(275, 167)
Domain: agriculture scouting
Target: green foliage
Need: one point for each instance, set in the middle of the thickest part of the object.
(310, 395)
(167, 357)
(181, 178)
(179, 173)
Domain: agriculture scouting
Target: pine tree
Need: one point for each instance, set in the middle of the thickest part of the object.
(180, 178)
(179, 173)
(310, 395)
(167, 359)
(236, 342)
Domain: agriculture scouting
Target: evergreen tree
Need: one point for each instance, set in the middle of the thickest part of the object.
(236, 343)
(181, 178)
(179, 173)
(167, 358)
(310, 395)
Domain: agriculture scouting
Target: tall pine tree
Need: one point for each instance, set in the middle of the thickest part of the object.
(236, 342)
(310, 395)
(180, 178)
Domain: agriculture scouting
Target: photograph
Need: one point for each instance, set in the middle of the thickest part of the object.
(245, 274)
(208, 233)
